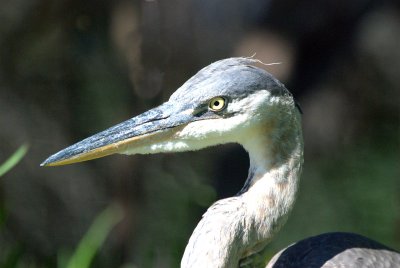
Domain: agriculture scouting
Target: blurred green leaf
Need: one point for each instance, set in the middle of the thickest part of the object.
(14, 159)
(95, 237)
(12, 257)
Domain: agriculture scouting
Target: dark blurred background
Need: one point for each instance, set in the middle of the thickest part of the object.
(70, 68)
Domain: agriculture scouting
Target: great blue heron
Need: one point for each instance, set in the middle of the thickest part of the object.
(231, 100)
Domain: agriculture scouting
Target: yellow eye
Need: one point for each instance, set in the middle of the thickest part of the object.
(217, 104)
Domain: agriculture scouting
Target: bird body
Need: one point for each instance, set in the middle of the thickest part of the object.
(227, 101)
(332, 250)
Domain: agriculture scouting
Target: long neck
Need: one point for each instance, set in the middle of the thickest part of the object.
(269, 193)
(236, 227)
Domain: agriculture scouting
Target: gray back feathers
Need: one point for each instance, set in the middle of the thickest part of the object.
(333, 250)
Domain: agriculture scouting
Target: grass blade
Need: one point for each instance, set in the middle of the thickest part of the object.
(14, 159)
(95, 236)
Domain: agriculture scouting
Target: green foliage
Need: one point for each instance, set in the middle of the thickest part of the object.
(12, 257)
(95, 237)
(14, 159)
(7, 166)
(89, 244)
(86, 250)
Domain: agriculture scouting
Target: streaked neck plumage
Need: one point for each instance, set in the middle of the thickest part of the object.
(236, 227)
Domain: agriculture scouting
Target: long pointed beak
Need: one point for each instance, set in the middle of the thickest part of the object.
(155, 125)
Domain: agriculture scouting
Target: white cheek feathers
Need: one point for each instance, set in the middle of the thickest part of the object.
(204, 133)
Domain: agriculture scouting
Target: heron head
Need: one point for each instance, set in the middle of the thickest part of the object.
(222, 103)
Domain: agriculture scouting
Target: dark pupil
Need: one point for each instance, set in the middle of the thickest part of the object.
(216, 103)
